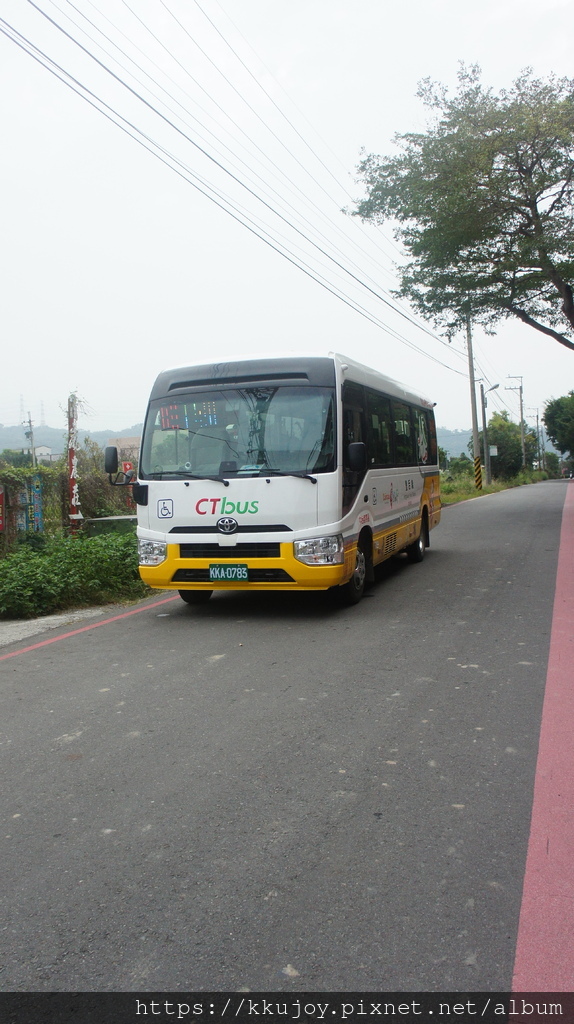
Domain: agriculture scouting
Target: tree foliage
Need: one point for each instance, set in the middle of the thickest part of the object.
(97, 497)
(14, 457)
(505, 434)
(552, 463)
(461, 465)
(559, 422)
(484, 201)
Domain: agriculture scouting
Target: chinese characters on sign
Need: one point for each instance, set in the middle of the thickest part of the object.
(75, 513)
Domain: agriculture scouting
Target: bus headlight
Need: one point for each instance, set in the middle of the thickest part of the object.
(151, 552)
(320, 550)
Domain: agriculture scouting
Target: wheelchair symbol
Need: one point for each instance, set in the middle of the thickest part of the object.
(165, 508)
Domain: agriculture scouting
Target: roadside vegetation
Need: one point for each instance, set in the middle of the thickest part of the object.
(461, 487)
(41, 577)
(51, 571)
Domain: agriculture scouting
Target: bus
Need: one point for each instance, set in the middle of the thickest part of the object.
(281, 473)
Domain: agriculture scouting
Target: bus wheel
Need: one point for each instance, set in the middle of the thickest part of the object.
(195, 596)
(352, 592)
(416, 551)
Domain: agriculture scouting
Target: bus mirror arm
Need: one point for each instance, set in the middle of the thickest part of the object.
(122, 479)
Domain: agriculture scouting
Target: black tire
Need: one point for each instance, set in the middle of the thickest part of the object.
(416, 551)
(195, 596)
(352, 592)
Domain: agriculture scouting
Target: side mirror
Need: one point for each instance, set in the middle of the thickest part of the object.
(111, 460)
(357, 457)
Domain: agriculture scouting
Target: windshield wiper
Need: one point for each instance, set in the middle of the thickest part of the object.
(280, 472)
(184, 475)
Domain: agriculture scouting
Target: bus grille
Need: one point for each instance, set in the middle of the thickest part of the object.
(268, 550)
(255, 576)
(390, 543)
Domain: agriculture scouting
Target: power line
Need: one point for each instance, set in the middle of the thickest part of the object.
(208, 191)
(218, 164)
(152, 143)
(289, 184)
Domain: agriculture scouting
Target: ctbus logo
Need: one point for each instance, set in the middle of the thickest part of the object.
(222, 506)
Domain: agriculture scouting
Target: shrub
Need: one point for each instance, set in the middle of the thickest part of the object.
(69, 572)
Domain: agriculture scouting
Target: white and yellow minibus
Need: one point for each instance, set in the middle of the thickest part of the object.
(281, 473)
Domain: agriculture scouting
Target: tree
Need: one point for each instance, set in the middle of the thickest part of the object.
(461, 466)
(97, 497)
(558, 419)
(505, 434)
(552, 463)
(485, 202)
(15, 457)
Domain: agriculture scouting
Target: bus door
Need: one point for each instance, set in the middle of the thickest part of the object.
(353, 430)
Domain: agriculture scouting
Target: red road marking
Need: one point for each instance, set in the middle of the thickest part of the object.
(84, 629)
(545, 945)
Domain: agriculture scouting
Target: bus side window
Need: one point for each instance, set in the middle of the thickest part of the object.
(422, 437)
(433, 447)
(379, 425)
(353, 414)
(405, 454)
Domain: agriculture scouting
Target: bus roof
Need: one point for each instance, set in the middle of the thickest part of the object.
(319, 369)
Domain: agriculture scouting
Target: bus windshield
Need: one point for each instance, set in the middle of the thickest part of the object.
(244, 431)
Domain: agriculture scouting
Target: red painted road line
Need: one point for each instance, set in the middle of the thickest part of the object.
(84, 629)
(545, 945)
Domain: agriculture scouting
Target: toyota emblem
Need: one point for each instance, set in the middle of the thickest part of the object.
(227, 525)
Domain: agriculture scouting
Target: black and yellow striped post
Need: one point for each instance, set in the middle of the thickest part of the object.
(475, 441)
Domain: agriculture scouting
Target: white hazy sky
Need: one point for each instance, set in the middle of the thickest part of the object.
(112, 266)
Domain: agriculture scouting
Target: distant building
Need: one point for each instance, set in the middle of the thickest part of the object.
(128, 447)
(45, 454)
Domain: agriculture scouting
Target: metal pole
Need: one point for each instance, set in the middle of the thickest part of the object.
(30, 435)
(522, 428)
(475, 440)
(520, 390)
(485, 438)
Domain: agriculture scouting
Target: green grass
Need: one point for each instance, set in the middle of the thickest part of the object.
(462, 488)
(70, 572)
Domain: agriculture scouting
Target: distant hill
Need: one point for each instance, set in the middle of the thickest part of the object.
(454, 442)
(57, 439)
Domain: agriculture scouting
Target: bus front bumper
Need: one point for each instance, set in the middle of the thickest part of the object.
(226, 570)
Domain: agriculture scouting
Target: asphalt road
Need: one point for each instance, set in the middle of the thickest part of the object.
(273, 794)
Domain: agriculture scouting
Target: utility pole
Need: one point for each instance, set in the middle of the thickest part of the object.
(475, 440)
(520, 390)
(543, 445)
(484, 431)
(30, 435)
(539, 440)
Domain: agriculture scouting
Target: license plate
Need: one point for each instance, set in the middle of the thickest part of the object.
(224, 572)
